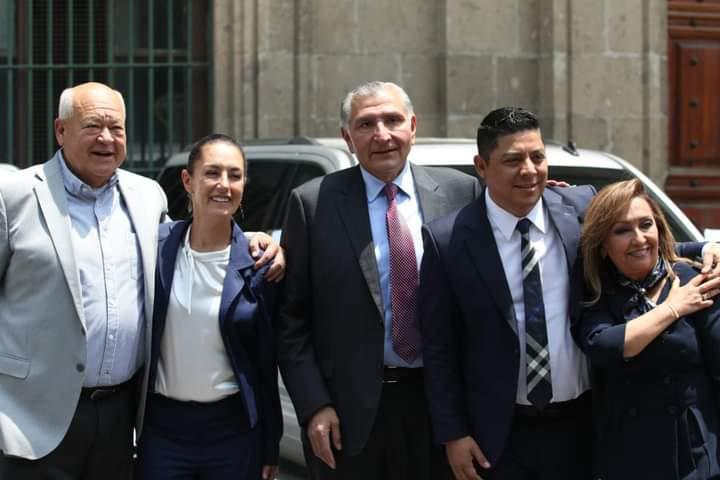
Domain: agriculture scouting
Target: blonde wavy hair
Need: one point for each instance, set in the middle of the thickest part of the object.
(605, 210)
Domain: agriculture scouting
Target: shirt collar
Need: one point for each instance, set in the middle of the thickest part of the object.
(76, 187)
(374, 186)
(506, 222)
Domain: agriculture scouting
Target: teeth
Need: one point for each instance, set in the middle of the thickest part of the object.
(220, 199)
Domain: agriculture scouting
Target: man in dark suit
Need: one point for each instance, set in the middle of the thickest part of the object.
(350, 351)
(507, 387)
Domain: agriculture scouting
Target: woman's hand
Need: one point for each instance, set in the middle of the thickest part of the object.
(682, 300)
(269, 472)
(695, 295)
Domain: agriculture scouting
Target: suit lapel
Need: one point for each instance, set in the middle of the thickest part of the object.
(565, 219)
(480, 244)
(353, 210)
(234, 282)
(51, 196)
(166, 258)
(433, 201)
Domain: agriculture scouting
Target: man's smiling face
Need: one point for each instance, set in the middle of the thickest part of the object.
(93, 138)
(516, 171)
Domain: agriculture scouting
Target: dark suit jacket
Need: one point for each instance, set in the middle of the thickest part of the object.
(245, 326)
(331, 315)
(470, 346)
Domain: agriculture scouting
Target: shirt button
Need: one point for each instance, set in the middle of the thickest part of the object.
(80, 367)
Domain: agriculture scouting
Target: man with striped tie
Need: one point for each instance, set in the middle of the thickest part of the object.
(500, 285)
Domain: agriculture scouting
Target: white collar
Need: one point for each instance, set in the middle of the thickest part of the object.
(506, 222)
(374, 186)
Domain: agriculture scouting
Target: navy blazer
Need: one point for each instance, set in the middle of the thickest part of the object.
(245, 322)
(470, 345)
(657, 411)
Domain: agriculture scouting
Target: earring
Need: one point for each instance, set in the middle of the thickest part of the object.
(189, 203)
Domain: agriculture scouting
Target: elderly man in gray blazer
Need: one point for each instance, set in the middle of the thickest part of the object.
(78, 242)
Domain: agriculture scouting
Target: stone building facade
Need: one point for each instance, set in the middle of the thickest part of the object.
(593, 70)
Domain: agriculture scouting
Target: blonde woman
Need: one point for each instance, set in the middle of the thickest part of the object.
(652, 333)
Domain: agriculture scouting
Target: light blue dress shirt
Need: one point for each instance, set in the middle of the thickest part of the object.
(107, 255)
(409, 207)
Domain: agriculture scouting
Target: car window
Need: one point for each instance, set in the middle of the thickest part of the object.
(268, 190)
(266, 193)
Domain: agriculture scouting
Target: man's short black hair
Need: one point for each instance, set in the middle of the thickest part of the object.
(500, 122)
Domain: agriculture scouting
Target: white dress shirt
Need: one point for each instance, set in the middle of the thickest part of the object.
(193, 363)
(568, 365)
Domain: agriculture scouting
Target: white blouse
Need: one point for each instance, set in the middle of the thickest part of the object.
(193, 363)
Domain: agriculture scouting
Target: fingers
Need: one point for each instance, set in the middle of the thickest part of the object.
(335, 435)
(710, 295)
(271, 250)
(269, 472)
(711, 259)
(324, 425)
(320, 442)
(479, 456)
(461, 453)
(276, 272)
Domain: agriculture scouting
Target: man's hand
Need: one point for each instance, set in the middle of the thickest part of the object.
(269, 472)
(323, 427)
(557, 183)
(711, 258)
(461, 453)
(273, 252)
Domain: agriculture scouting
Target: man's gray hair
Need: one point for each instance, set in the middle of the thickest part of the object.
(369, 90)
(66, 105)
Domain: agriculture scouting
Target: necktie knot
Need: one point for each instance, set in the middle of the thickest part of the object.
(523, 226)
(391, 191)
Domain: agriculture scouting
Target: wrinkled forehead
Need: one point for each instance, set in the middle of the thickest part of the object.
(102, 103)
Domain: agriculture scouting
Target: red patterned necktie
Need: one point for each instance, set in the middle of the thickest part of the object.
(403, 281)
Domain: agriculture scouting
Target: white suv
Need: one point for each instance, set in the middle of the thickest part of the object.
(276, 167)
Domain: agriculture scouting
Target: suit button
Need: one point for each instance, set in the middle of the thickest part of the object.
(632, 412)
(666, 380)
(672, 410)
(80, 367)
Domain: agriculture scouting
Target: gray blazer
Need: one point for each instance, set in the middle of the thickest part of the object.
(42, 326)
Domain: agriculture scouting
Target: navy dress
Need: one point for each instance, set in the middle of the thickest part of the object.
(656, 413)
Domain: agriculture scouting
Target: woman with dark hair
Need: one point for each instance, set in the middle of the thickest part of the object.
(213, 409)
(652, 334)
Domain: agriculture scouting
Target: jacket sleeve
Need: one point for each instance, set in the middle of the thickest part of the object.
(689, 249)
(438, 315)
(602, 340)
(271, 418)
(296, 352)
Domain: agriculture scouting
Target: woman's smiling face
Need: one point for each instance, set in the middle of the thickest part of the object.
(217, 181)
(632, 244)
